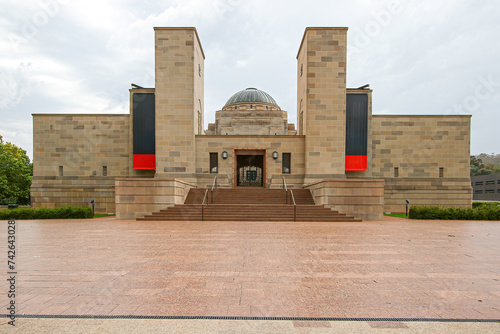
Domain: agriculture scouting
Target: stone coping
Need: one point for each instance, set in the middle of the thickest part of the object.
(343, 180)
(156, 179)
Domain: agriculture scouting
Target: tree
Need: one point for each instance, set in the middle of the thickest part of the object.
(16, 173)
(477, 167)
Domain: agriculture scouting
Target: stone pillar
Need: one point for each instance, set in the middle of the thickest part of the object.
(321, 92)
(179, 63)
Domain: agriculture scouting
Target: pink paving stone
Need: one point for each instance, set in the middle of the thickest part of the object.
(389, 268)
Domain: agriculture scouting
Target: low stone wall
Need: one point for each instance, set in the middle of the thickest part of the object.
(136, 197)
(55, 191)
(361, 198)
(451, 192)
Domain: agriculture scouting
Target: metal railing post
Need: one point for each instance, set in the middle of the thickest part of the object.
(286, 190)
(203, 205)
(214, 185)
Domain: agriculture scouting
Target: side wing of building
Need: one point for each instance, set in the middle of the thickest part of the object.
(422, 158)
(77, 158)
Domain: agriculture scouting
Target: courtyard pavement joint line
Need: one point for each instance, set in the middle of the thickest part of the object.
(194, 317)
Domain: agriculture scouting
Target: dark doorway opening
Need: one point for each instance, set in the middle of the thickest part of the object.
(250, 170)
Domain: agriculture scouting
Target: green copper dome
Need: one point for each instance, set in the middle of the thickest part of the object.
(251, 95)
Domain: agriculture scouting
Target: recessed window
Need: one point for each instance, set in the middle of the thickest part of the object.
(61, 171)
(301, 122)
(200, 127)
(479, 183)
(396, 171)
(490, 191)
(214, 162)
(286, 163)
(441, 171)
(490, 182)
(251, 106)
(478, 192)
(104, 170)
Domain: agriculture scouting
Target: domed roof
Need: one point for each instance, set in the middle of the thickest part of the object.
(251, 95)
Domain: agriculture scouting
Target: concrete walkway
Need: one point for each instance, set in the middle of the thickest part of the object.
(389, 269)
(120, 326)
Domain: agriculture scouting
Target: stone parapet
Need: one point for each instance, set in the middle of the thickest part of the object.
(361, 198)
(136, 197)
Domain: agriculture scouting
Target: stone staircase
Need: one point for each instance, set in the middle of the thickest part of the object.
(249, 204)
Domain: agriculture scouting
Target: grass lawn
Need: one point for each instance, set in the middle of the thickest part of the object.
(103, 215)
(400, 215)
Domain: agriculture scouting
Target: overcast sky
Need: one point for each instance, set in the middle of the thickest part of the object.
(419, 57)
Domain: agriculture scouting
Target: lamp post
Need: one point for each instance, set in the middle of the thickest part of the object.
(407, 204)
(93, 211)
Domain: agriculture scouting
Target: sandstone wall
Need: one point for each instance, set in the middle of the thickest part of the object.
(422, 158)
(77, 157)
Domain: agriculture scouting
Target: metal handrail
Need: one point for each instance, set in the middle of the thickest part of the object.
(294, 206)
(286, 190)
(203, 204)
(214, 185)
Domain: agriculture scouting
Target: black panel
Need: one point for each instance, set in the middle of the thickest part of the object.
(144, 123)
(356, 124)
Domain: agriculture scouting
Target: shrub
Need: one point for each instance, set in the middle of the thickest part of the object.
(480, 212)
(63, 212)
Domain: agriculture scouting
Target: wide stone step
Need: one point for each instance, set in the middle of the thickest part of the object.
(249, 195)
(248, 213)
(249, 204)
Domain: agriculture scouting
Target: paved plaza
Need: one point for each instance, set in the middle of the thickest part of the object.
(390, 269)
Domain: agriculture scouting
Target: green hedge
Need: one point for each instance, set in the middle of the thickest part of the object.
(63, 212)
(481, 204)
(481, 212)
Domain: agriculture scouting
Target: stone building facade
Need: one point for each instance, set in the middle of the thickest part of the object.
(351, 160)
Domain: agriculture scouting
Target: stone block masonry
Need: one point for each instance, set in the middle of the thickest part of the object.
(422, 158)
(77, 157)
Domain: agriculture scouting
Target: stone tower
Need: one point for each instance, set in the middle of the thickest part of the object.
(321, 101)
(179, 85)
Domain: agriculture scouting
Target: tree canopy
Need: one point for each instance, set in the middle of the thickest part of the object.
(16, 173)
(484, 164)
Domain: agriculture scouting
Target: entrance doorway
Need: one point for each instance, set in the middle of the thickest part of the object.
(249, 168)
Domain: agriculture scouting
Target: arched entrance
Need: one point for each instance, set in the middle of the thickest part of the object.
(249, 168)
